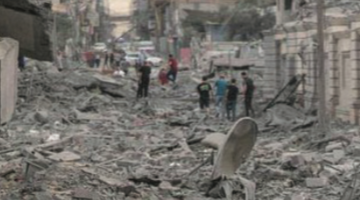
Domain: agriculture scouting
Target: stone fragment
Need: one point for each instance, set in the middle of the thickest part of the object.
(110, 181)
(316, 182)
(356, 151)
(338, 155)
(310, 156)
(334, 157)
(214, 140)
(43, 196)
(298, 197)
(41, 117)
(65, 156)
(295, 159)
(84, 194)
(333, 146)
(89, 171)
(273, 146)
(165, 185)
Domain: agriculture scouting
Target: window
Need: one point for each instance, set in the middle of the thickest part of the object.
(288, 4)
(344, 68)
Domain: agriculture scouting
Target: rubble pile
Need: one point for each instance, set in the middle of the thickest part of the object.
(81, 135)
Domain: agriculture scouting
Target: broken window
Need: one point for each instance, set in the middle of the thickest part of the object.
(288, 4)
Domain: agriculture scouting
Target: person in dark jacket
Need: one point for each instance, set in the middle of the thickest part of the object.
(144, 80)
(232, 93)
(21, 62)
(248, 91)
(204, 90)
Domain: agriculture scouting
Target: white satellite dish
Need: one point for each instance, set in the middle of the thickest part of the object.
(238, 144)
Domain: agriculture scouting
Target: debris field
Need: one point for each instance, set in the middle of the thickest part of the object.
(82, 135)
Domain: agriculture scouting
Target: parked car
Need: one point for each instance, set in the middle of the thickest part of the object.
(154, 61)
(134, 58)
(99, 47)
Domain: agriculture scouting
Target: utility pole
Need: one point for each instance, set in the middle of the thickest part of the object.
(321, 66)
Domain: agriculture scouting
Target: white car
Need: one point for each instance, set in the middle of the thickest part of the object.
(133, 57)
(154, 61)
(99, 47)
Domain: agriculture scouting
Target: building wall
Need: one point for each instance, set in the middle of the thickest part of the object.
(270, 70)
(9, 50)
(36, 42)
(293, 51)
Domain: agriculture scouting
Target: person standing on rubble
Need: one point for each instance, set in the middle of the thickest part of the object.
(163, 77)
(144, 80)
(111, 59)
(231, 99)
(107, 59)
(205, 91)
(220, 85)
(21, 62)
(97, 60)
(248, 91)
(173, 69)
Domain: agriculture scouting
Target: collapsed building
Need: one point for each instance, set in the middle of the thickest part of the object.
(291, 48)
(24, 29)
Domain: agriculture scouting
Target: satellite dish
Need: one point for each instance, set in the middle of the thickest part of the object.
(238, 144)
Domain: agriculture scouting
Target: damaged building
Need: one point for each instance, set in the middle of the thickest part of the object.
(33, 18)
(291, 48)
(24, 29)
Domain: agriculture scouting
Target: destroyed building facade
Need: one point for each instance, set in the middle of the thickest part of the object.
(29, 22)
(291, 48)
(24, 30)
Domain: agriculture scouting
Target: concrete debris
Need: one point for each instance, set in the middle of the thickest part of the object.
(65, 156)
(316, 182)
(84, 194)
(214, 140)
(81, 135)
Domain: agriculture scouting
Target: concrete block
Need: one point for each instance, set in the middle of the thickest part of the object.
(333, 146)
(316, 182)
(214, 140)
(338, 155)
(298, 197)
(65, 156)
(84, 194)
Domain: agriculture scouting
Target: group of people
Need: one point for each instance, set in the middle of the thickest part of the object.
(111, 59)
(226, 95)
(164, 76)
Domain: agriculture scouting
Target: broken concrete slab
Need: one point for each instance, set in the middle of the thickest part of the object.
(84, 194)
(65, 156)
(214, 140)
(111, 181)
(333, 146)
(42, 117)
(316, 182)
(165, 185)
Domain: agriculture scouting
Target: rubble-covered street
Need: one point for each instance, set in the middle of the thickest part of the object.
(131, 100)
(81, 135)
